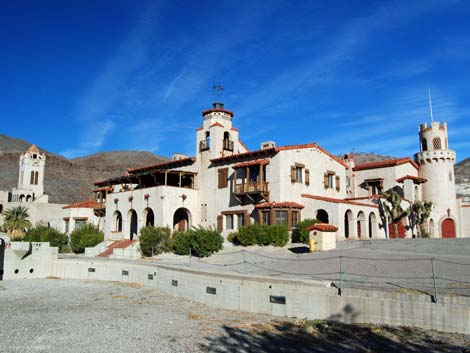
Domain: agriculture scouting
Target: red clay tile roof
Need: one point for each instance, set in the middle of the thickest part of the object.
(216, 124)
(416, 180)
(256, 161)
(103, 188)
(164, 165)
(215, 110)
(266, 151)
(465, 205)
(385, 164)
(323, 227)
(371, 197)
(287, 204)
(278, 149)
(243, 145)
(333, 200)
(234, 129)
(200, 128)
(81, 204)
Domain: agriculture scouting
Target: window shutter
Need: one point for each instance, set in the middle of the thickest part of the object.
(307, 177)
(220, 219)
(223, 178)
(325, 180)
(292, 174)
(337, 183)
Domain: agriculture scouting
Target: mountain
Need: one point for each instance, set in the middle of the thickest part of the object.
(68, 181)
(462, 171)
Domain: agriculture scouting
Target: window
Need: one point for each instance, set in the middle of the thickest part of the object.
(280, 217)
(348, 182)
(223, 178)
(297, 171)
(436, 142)
(241, 220)
(31, 179)
(328, 180)
(295, 218)
(67, 226)
(424, 144)
(79, 223)
(117, 221)
(266, 219)
(229, 221)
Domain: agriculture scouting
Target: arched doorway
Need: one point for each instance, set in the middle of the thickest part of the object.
(372, 225)
(117, 219)
(361, 224)
(348, 223)
(149, 217)
(132, 224)
(181, 219)
(448, 228)
(322, 216)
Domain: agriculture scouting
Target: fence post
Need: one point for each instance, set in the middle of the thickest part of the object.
(340, 275)
(434, 280)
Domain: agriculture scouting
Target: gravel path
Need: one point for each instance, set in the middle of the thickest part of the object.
(63, 316)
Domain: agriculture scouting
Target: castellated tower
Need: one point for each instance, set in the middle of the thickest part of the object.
(31, 176)
(436, 164)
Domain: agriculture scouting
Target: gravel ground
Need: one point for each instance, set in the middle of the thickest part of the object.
(51, 315)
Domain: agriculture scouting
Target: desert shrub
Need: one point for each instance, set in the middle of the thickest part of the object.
(300, 233)
(205, 241)
(181, 242)
(257, 234)
(86, 236)
(156, 238)
(41, 233)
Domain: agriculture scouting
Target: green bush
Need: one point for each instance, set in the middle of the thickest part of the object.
(154, 240)
(300, 234)
(41, 233)
(205, 241)
(86, 236)
(233, 238)
(181, 243)
(257, 234)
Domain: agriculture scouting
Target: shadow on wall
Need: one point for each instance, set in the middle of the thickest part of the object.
(325, 336)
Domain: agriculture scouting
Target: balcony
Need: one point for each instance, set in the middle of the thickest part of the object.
(204, 146)
(99, 208)
(251, 190)
(228, 145)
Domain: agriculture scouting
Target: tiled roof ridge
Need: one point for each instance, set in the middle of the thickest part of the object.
(333, 200)
(386, 163)
(81, 204)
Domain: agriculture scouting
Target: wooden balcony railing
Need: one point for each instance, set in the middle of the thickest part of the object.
(228, 145)
(251, 187)
(99, 205)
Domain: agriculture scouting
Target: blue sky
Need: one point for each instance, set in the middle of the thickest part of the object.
(80, 77)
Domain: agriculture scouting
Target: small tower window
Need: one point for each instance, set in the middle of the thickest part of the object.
(36, 178)
(31, 179)
(424, 144)
(436, 142)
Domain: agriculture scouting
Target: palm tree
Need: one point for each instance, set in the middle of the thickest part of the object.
(15, 221)
(393, 209)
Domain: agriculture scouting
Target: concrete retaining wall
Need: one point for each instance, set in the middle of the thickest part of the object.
(281, 297)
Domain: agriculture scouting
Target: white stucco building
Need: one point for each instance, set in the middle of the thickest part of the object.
(30, 194)
(226, 185)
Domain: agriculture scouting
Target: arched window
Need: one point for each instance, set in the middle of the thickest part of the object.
(424, 144)
(436, 142)
(226, 136)
(31, 179)
(36, 178)
(322, 216)
(117, 221)
(208, 139)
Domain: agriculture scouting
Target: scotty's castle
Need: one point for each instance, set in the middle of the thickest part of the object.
(226, 185)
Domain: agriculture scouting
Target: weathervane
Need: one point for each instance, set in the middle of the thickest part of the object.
(217, 91)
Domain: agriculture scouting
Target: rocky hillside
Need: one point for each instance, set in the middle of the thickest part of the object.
(68, 181)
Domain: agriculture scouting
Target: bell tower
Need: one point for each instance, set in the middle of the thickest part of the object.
(31, 172)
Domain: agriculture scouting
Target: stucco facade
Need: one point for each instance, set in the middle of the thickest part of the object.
(226, 186)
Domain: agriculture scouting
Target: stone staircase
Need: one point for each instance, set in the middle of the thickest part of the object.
(118, 244)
